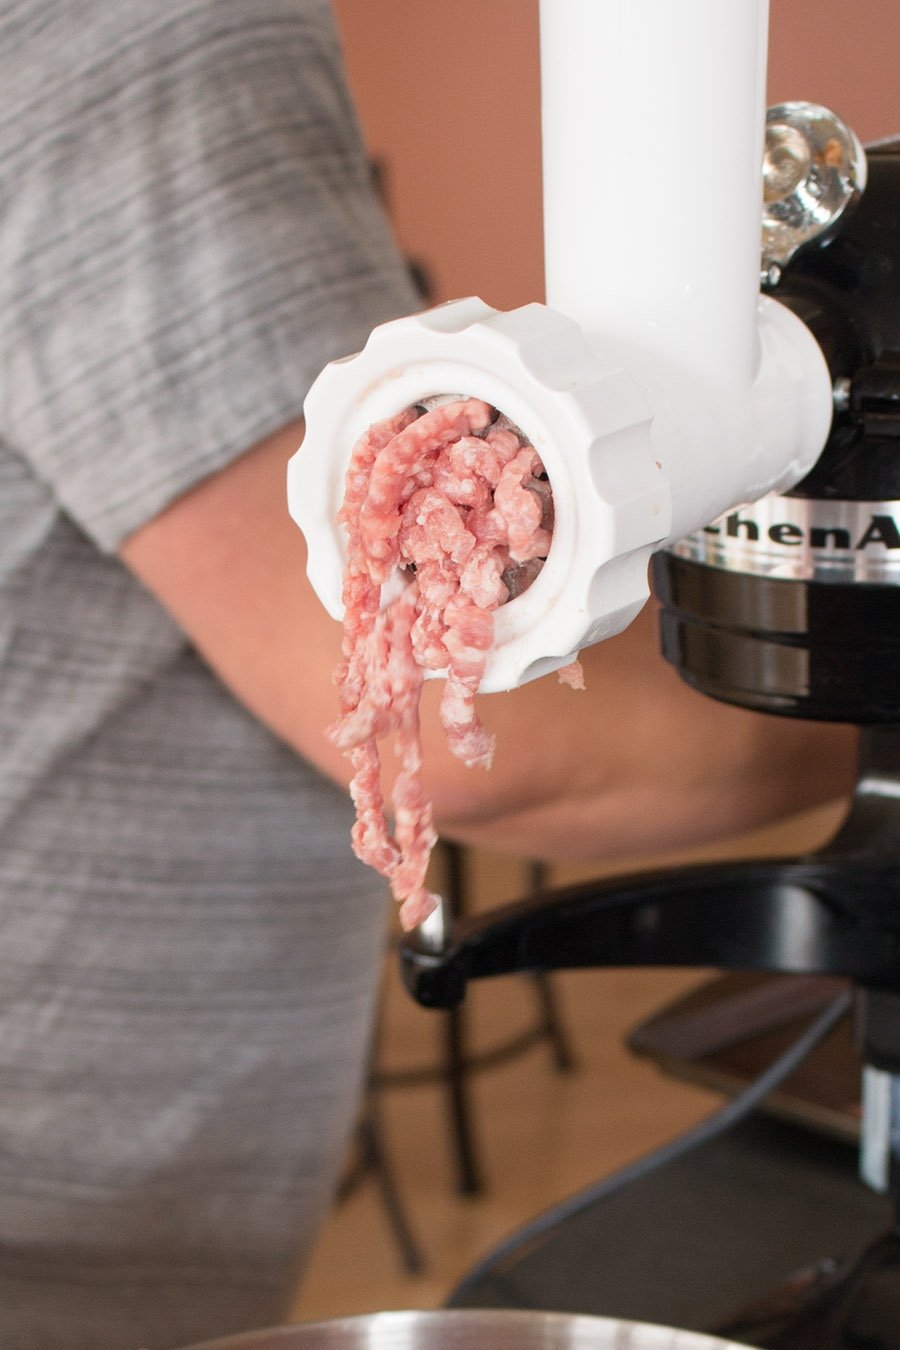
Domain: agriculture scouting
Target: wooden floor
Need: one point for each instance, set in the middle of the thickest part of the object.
(541, 1133)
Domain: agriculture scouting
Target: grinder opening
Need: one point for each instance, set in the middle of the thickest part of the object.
(454, 499)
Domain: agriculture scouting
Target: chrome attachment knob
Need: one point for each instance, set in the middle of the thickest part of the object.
(814, 170)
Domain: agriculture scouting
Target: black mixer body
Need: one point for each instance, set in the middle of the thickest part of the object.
(792, 605)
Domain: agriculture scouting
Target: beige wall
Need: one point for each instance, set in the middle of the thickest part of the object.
(448, 95)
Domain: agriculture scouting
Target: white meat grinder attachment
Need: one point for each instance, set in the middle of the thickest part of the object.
(588, 422)
(620, 489)
(659, 389)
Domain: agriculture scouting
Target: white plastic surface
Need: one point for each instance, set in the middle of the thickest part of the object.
(587, 420)
(653, 128)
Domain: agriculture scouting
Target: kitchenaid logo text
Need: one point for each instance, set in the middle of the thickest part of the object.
(801, 538)
(875, 529)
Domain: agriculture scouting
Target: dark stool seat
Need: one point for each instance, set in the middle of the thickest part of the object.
(701, 1238)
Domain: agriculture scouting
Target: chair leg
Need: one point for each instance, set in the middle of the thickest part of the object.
(372, 1159)
(550, 1022)
(457, 1063)
(410, 1252)
(469, 1181)
(468, 1173)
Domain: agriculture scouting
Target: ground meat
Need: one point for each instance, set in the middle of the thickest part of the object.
(458, 502)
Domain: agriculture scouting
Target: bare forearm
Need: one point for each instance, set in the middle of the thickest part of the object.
(635, 761)
(658, 811)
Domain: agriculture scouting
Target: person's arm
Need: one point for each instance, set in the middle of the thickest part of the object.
(637, 761)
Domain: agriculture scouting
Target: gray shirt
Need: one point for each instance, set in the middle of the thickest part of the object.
(186, 238)
(187, 235)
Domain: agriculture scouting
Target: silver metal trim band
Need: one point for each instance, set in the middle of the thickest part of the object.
(803, 540)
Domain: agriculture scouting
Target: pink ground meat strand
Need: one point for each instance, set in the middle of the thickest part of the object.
(459, 502)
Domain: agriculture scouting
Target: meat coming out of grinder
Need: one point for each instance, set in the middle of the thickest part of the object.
(457, 501)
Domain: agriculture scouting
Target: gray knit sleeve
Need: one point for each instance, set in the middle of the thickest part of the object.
(190, 235)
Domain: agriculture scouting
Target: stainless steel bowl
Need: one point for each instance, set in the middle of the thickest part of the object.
(466, 1329)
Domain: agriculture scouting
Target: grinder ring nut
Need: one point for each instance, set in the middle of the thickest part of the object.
(589, 422)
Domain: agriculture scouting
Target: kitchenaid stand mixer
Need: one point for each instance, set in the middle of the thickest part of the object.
(681, 416)
(789, 605)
